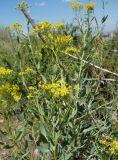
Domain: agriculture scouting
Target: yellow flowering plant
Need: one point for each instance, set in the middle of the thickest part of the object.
(43, 26)
(16, 27)
(27, 71)
(5, 71)
(75, 5)
(72, 50)
(13, 90)
(57, 101)
(90, 6)
(58, 88)
(111, 144)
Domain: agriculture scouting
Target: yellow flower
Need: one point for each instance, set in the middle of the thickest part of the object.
(40, 55)
(111, 144)
(21, 73)
(23, 5)
(17, 27)
(5, 88)
(45, 46)
(60, 25)
(31, 91)
(47, 25)
(75, 5)
(41, 26)
(104, 142)
(63, 40)
(114, 147)
(90, 6)
(57, 88)
(15, 92)
(28, 70)
(5, 71)
(76, 87)
(49, 37)
(72, 50)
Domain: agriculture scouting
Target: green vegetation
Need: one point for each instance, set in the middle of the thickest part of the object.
(59, 90)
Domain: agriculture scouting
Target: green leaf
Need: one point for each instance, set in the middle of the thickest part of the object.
(54, 68)
(3, 133)
(19, 136)
(44, 148)
(74, 112)
(66, 156)
(88, 89)
(8, 146)
(104, 19)
(1, 143)
(26, 145)
(89, 129)
(43, 130)
(25, 155)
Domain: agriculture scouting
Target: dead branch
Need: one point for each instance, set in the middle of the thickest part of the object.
(32, 22)
(89, 63)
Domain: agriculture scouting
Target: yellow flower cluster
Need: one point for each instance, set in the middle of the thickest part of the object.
(5, 71)
(26, 71)
(49, 38)
(31, 92)
(5, 88)
(16, 27)
(59, 25)
(23, 5)
(111, 144)
(59, 40)
(72, 50)
(47, 25)
(13, 90)
(75, 5)
(63, 39)
(39, 55)
(57, 88)
(90, 6)
(40, 26)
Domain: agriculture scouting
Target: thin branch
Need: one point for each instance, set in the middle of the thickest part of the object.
(101, 79)
(102, 69)
(32, 22)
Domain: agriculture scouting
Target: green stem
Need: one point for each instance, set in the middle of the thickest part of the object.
(81, 64)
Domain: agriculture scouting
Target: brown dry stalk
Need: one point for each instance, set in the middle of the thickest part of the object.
(32, 22)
